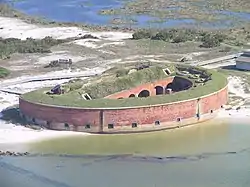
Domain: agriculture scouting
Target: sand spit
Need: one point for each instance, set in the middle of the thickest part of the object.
(15, 28)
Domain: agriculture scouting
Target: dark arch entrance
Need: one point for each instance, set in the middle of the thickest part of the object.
(144, 93)
(159, 90)
(131, 95)
(170, 85)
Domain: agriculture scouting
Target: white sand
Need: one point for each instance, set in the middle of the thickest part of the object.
(10, 133)
(15, 28)
(236, 87)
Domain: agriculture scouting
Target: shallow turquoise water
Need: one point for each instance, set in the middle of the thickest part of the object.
(206, 155)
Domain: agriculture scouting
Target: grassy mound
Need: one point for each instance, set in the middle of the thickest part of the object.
(105, 88)
(215, 82)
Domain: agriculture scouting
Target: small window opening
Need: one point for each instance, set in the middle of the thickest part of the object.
(132, 95)
(134, 125)
(87, 126)
(178, 119)
(167, 71)
(66, 126)
(48, 124)
(211, 111)
(86, 96)
(157, 122)
(110, 126)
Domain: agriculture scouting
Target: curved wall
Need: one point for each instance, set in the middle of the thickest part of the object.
(146, 118)
(155, 88)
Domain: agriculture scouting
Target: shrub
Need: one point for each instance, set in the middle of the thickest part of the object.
(121, 72)
(142, 34)
(12, 45)
(210, 41)
(4, 72)
(180, 38)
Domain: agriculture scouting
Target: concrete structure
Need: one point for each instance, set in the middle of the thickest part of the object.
(243, 61)
(130, 119)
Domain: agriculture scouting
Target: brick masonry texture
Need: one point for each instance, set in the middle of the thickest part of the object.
(145, 117)
(149, 86)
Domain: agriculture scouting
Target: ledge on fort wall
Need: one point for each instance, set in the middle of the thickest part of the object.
(218, 82)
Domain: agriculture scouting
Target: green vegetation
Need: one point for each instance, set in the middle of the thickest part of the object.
(4, 72)
(105, 88)
(216, 82)
(13, 45)
(210, 11)
(208, 39)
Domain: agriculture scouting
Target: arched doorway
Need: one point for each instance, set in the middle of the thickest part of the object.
(144, 93)
(131, 95)
(159, 90)
(169, 86)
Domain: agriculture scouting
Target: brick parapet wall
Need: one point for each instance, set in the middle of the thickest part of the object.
(149, 86)
(122, 118)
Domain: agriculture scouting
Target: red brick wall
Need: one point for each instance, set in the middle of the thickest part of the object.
(150, 114)
(125, 117)
(61, 115)
(149, 86)
(214, 101)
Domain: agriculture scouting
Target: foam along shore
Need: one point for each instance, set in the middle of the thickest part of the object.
(16, 28)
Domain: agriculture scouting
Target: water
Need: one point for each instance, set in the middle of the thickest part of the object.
(81, 11)
(209, 155)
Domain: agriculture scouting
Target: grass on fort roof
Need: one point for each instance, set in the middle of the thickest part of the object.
(74, 99)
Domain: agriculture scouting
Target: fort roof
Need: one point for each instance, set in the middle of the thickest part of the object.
(217, 82)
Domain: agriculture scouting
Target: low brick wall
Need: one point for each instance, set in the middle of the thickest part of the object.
(133, 119)
(152, 87)
(149, 86)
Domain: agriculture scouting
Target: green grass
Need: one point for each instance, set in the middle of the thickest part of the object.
(74, 99)
(132, 80)
(4, 72)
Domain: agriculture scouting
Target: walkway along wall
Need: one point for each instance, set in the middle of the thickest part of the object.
(133, 119)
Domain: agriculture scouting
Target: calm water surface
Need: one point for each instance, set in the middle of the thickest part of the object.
(82, 11)
(206, 155)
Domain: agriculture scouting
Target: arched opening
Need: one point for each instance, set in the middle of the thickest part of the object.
(66, 126)
(131, 95)
(170, 85)
(159, 90)
(120, 98)
(144, 93)
(169, 88)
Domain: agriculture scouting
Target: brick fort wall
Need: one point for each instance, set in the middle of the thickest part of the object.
(133, 119)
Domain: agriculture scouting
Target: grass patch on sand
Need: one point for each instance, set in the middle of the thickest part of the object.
(4, 72)
(217, 82)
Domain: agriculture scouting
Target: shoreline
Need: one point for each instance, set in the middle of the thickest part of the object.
(36, 20)
(13, 134)
(10, 12)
